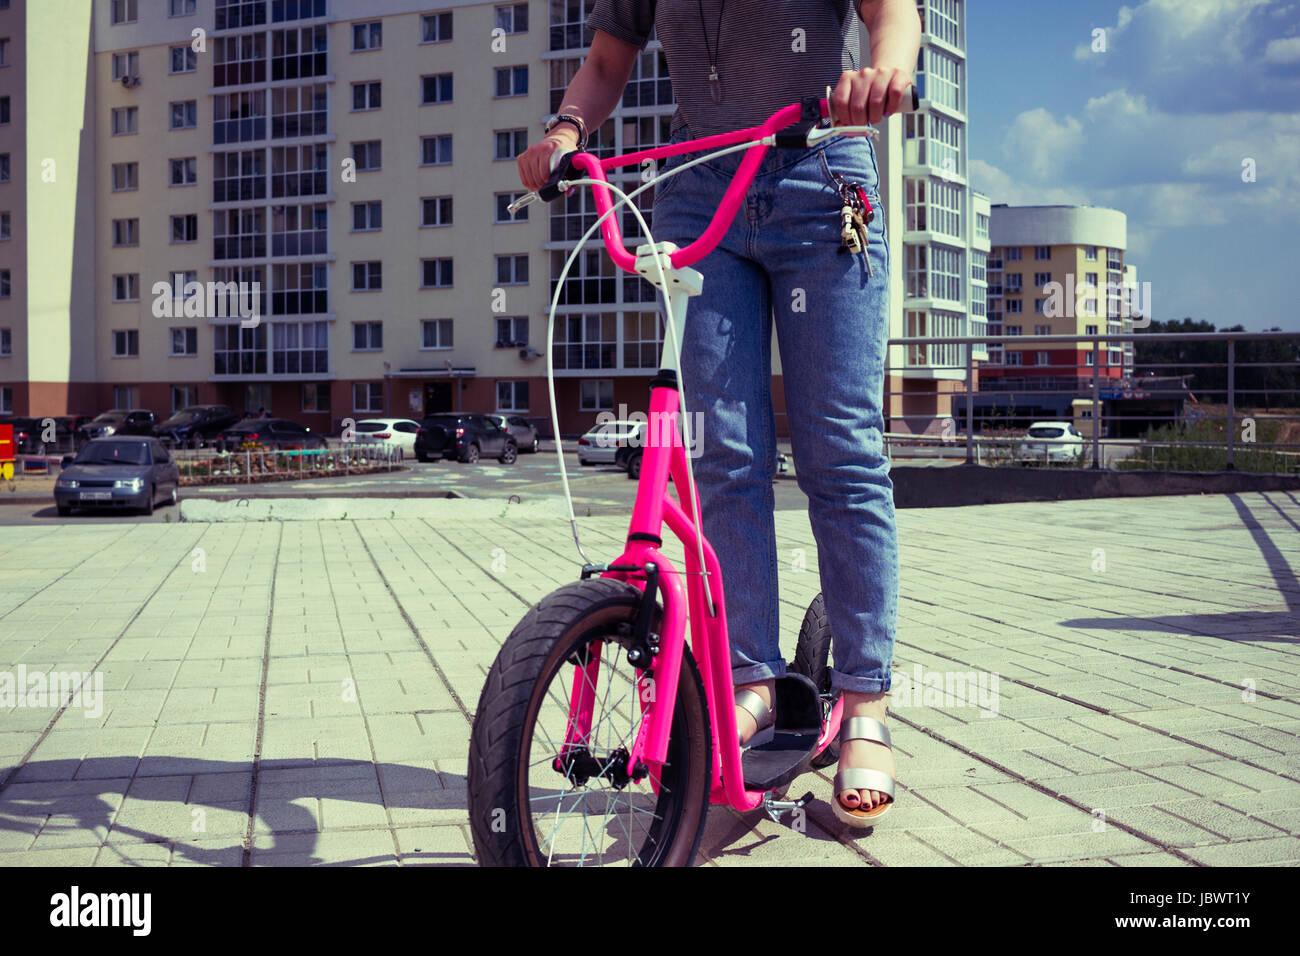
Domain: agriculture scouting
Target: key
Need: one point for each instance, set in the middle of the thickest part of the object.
(849, 234)
(860, 234)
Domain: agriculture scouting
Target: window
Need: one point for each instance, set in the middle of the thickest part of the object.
(1042, 253)
(568, 24)
(238, 351)
(179, 280)
(512, 270)
(4, 167)
(126, 232)
(981, 226)
(1015, 306)
(185, 172)
(126, 65)
(6, 283)
(125, 121)
(185, 228)
(315, 397)
(367, 36)
(5, 115)
(512, 81)
(365, 96)
(367, 216)
(435, 273)
(587, 340)
(239, 117)
(437, 211)
(183, 396)
(939, 78)
(503, 208)
(1042, 330)
(122, 11)
(1090, 330)
(934, 205)
(298, 54)
(367, 155)
(435, 150)
(1013, 254)
(1042, 278)
(184, 114)
(5, 226)
(935, 271)
(368, 396)
(299, 347)
(1088, 358)
(435, 28)
(299, 111)
(1015, 330)
(239, 176)
(239, 234)
(126, 176)
(510, 143)
(185, 341)
(512, 330)
(299, 230)
(1013, 281)
(6, 342)
(4, 51)
(435, 89)
(512, 396)
(435, 334)
(238, 60)
(367, 336)
(181, 8)
(184, 59)
(300, 288)
(513, 18)
(1090, 253)
(642, 339)
(1038, 306)
(126, 288)
(240, 13)
(126, 343)
(944, 21)
(367, 276)
(6, 400)
(597, 394)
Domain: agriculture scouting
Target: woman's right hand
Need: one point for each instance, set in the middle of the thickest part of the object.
(535, 162)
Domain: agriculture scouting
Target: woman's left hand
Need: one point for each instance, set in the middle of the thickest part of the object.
(868, 95)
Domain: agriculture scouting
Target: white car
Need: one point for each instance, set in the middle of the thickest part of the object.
(602, 442)
(398, 432)
(1051, 441)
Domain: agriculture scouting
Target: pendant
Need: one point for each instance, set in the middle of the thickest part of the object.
(715, 84)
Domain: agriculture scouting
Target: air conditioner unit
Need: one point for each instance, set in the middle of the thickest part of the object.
(130, 81)
(529, 354)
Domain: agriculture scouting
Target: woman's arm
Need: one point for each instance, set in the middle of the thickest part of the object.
(592, 95)
(869, 95)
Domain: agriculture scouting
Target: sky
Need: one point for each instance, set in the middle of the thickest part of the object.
(1188, 100)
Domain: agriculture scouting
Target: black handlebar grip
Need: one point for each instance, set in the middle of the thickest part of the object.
(550, 190)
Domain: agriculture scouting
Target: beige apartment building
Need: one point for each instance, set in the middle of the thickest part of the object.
(353, 159)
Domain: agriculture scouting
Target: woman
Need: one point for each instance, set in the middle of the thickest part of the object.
(732, 64)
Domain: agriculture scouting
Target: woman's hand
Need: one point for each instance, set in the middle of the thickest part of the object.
(535, 162)
(868, 95)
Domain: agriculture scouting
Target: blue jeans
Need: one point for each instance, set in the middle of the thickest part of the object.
(780, 259)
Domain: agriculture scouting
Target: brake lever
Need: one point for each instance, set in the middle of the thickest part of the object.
(561, 166)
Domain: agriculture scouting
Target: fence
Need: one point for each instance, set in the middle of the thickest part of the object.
(248, 465)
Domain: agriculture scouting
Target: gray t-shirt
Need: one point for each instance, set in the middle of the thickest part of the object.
(772, 52)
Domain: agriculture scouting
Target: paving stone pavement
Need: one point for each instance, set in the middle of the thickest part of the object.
(301, 692)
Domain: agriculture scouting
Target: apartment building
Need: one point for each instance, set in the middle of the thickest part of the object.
(352, 161)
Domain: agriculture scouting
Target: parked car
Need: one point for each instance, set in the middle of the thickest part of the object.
(628, 455)
(600, 445)
(269, 433)
(68, 430)
(27, 434)
(1052, 441)
(524, 434)
(464, 436)
(117, 472)
(119, 421)
(398, 432)
(195, 425)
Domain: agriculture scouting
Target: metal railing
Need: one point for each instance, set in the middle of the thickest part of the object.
(1177, 410)
(249, 465)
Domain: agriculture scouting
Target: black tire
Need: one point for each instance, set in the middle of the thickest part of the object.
(148, 501)
(421, 456)
(634, 466)
(511, 453)
(471, 454)
(64, 510)
(812, 660)
(565, 622)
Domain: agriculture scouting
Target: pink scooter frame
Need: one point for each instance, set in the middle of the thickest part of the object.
(665, 454)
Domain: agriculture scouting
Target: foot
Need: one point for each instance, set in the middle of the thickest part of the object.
(745, 723)
(865, 753)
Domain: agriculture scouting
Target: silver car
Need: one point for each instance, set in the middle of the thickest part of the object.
(117, 473)
(601, 444)
(524, 434)
(1052, 441)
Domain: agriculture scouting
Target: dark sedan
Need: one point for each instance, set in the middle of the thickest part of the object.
(466, 437)
(196, 426)
(117, 473)
(119, 421)
(268, 433)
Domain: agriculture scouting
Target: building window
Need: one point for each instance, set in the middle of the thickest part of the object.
(1042, 253)
(1015, 358)
(126, 66)
(934, 205)
(435, 273)
(512, 81)
(1038, 306)
(437, 211)
(6, 400)
(642, 339)
(1088, 358)
(368, 396)
(512, 396)
(435, 89)
(366, 96)
(367, 155)
(1042, 330)
(6, 342)
(300, 289)
(435, 28)
(367, 36)
(1015, 330)
(503, 201)
(568, 24)
(513, 18)
(5, 114)
(299, 230)
(181, 8)
(596, 395)
(512, 270)
(300, 347)
(1041, 279)
(315, 397)
(122, 11)
(239, 234)
(126, 287)
(299, 170)
(126, 232)
(185, 172)
(298, 54)
(512, 330)
(125, 121)
(944, 21)
(185, 228)
(126, 343)
(939, 78)
(367, 216)
(239, 176)
(238, 351)
(184, 59)
(182, 397)
(1090, 253)
(185, 341)
(240, 13)
(6, 283)
(238, 117)
(299, 111)
(981, 226)
(239, 60)
(367, 336)
(184, 114)
(367, 276)
(126, 176)
(936, 272)
(4, 167)
(1015, 306)
(588, 340)
(5, 226)
(1012, 254)
(510, 143)
(435, 150)
(435, 334)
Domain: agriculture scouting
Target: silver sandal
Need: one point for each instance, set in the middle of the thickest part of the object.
(863, 778)
(765, 720)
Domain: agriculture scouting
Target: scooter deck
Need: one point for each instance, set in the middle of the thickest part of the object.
(798, 727)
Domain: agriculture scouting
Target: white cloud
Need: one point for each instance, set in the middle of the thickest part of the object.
(1283, 51)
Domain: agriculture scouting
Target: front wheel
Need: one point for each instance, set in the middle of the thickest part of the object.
(812, 660)
(537, 800)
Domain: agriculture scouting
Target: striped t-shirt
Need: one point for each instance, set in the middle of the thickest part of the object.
(772, 52)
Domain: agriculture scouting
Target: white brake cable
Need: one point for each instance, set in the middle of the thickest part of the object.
(670, 330)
